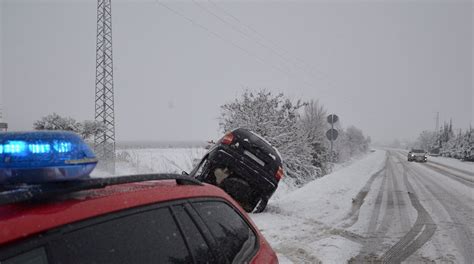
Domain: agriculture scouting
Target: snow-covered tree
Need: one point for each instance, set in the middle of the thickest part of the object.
(426, 140)
(56, 122)
(86, 129)
(456, 145)
(314, 124)
(277, 119)
(351, 142)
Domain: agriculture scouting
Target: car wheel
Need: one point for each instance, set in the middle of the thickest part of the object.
(241, 191)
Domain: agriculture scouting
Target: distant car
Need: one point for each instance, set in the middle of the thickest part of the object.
(418, 155)
(155, 218)
(244, 165)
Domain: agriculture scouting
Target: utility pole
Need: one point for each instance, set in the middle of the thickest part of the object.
(104, 143)
(437, 122)
(437, 129)
(332, 133)
(3, 125)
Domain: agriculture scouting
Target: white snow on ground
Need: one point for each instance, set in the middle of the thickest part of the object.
(303, 225)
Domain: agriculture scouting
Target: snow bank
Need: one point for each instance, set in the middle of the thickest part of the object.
(455, 163)
(329, 198)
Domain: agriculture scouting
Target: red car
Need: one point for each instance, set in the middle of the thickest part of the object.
(156, 218)
(153, 221)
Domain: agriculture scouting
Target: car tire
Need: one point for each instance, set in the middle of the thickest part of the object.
(241, 191)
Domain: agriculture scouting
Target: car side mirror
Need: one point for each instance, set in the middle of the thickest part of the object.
(185, 173)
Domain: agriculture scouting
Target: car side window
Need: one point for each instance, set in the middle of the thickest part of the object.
(145, 237)
(197, 245)
(234, 236)
(35, 256)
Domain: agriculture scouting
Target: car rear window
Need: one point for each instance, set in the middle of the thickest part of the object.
(234, 236)
(147, 237)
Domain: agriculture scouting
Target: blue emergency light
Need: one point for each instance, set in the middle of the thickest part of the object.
(44, 156)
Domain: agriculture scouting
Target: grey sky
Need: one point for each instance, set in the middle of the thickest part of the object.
(384, 66)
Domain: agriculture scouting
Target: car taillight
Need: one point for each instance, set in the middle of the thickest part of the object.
(279, 173)
(228, 138)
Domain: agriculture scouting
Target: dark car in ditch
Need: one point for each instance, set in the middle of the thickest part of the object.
(244, 165)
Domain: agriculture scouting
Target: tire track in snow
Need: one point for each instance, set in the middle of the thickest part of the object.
(419, 234)
(375, 234)
(462, 179)
(387, 216)
(453, 207)
(378, 204)
(357, 202)
(401, 203)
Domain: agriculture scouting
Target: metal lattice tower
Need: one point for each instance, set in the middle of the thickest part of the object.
(104, 143)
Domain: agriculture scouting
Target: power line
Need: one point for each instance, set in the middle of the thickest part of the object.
(238, 30)
(217, 35)
(232, 43)
(305, 66)
(291, 62)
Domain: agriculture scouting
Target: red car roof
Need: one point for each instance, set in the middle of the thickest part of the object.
(21, 220)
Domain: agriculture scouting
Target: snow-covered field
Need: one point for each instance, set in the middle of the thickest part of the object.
(158, 160)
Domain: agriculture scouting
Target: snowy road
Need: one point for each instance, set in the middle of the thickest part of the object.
(399, 211)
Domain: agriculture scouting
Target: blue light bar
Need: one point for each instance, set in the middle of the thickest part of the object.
(44, 156)
(62, 146)
(39, 148)
(15, 147)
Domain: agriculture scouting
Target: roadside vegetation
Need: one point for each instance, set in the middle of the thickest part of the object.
(297, 129)
(447, 142)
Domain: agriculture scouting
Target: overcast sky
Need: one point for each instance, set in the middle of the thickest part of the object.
(384, 66)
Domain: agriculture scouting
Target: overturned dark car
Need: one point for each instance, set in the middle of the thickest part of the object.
(245, 166)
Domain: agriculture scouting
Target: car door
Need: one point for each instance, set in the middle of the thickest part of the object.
(160, 233)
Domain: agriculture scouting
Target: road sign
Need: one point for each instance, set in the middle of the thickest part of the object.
(332, 119)
(332, 134)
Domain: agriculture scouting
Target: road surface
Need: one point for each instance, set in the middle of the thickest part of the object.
(423, 212)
